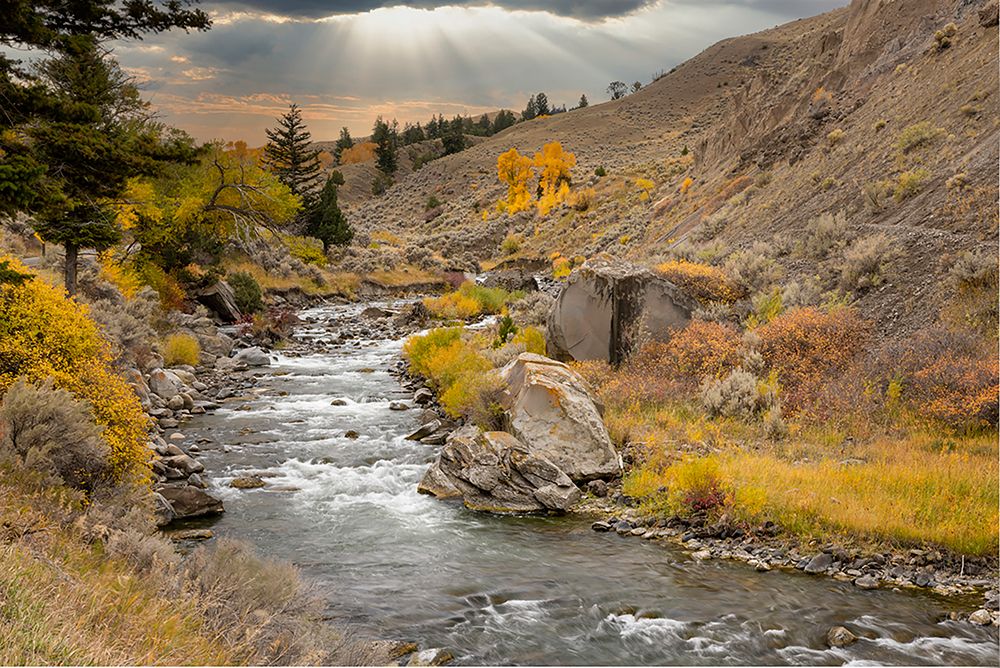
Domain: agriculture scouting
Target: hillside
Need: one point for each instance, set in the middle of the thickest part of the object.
(860, 112)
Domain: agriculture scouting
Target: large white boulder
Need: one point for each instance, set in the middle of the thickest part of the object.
(549, 408)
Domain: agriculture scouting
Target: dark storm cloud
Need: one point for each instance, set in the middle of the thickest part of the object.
(587, 10)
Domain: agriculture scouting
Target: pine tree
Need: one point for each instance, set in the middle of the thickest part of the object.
(542, 105)
(454, 138)
(583, 102)
(531, 110)
(386, 138)
(289, 155)
(344, 142)
(636, 86)
(326, 221)
(485, 127)
(505, 119)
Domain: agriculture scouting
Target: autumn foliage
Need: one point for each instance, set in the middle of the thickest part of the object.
(702, 281)
(551, 167)
(45, 335)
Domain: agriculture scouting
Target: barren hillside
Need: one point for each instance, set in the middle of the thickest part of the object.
(881, 113)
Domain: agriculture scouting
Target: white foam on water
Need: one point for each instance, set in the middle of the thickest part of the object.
(647, 629)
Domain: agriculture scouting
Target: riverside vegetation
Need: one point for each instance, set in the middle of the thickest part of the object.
(836, 382)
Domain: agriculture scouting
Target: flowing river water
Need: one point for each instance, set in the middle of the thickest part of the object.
(510, 590)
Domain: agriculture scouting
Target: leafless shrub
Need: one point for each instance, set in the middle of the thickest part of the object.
(866, 263)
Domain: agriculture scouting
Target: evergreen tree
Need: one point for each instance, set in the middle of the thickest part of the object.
(583, 102)
(412, 134)
(636, 86)
(531, 110)
(51, 28)
(386, 138)
(344, 142)
(454, 138)
(325, 220)
(290, 156)
(485, 128)
(91, 155)
(542, 105)
(505, 119)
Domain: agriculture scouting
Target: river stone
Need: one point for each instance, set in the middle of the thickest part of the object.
(606, 304)
(600, 526)
(838, 636)
(982, 617)
(134, 378)
(163, 512)
(253, 356)
(819, 563)
(164, 384)
(425, 430)
(549, 408)
(495, 472)
(175, 403)
(192, 534)
(247, 482)
(398, 406)
(867, 582)
(184, 463)
(423, 396)
(431, 657)
(189, 501)
(339, 402)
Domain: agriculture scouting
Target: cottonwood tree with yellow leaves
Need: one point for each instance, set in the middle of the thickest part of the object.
(551, 167)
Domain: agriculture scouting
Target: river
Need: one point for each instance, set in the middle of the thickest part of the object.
(510, 590)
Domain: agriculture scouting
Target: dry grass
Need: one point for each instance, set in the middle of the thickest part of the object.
(344, 284)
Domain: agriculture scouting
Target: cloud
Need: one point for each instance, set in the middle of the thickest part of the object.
(586, 10)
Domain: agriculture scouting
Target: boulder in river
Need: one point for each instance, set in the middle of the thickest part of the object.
(493, 471)
(549, 409)
(189, 501)
(253, 356)
(838, 636)
(606, 305)
(164, 384)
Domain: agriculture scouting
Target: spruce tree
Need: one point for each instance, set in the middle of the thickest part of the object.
(531, 110)
(290, 156)
(542, 105)
(454, 139)
(326, 221)
(386, 138)
(344, 142)
(583, 101)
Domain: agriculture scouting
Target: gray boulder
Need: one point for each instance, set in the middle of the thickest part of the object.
(162, 510)
(189, 501)
(495, 472)
(184, 463)
(551, 411)
(221, 300)
(605, 306)
(164, 384)
(253, 356)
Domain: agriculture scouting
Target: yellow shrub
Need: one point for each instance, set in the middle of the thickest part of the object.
(561, 267)
(456, 369)
(306, 249)
(43, 334)
(418, 349)
(181, 349)
(554, 165)
(532, 338)
(582, 200)
(686, 184)
(469, 301)
(358, 153)
(514, 170)
(703, 282)
(124, 278)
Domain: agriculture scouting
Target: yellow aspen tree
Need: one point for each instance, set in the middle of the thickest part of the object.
(514, 170)
(554, 177)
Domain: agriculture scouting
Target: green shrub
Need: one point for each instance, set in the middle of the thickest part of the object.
(249, 297)
(917, 135)
(432, 203)
(909, 184)
(511, 244)
(600, 171)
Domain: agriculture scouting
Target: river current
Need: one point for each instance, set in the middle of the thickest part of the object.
(510, 590)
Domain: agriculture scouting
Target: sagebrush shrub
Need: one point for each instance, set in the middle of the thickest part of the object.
(973, 285)
(740, 394)
(867, 262)
(48, 430)
(823, 234)
(754, 267)
(45, 335)
(917, 135)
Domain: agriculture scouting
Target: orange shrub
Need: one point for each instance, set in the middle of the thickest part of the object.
(701, 281)
(703, 349)
(807, 347)
(358, 153)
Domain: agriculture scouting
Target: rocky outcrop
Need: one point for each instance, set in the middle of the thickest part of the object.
(221, 300)
(605, 307)
(549, 408)
(494, 471)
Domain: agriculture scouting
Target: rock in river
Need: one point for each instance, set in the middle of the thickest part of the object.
(495, 472)
(253, 356)
(838, 636)
(550, 410)
(189, 501)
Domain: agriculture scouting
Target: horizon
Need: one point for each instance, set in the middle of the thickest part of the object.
(346, 63)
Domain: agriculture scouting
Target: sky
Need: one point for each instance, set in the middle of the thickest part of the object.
(345, 62)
